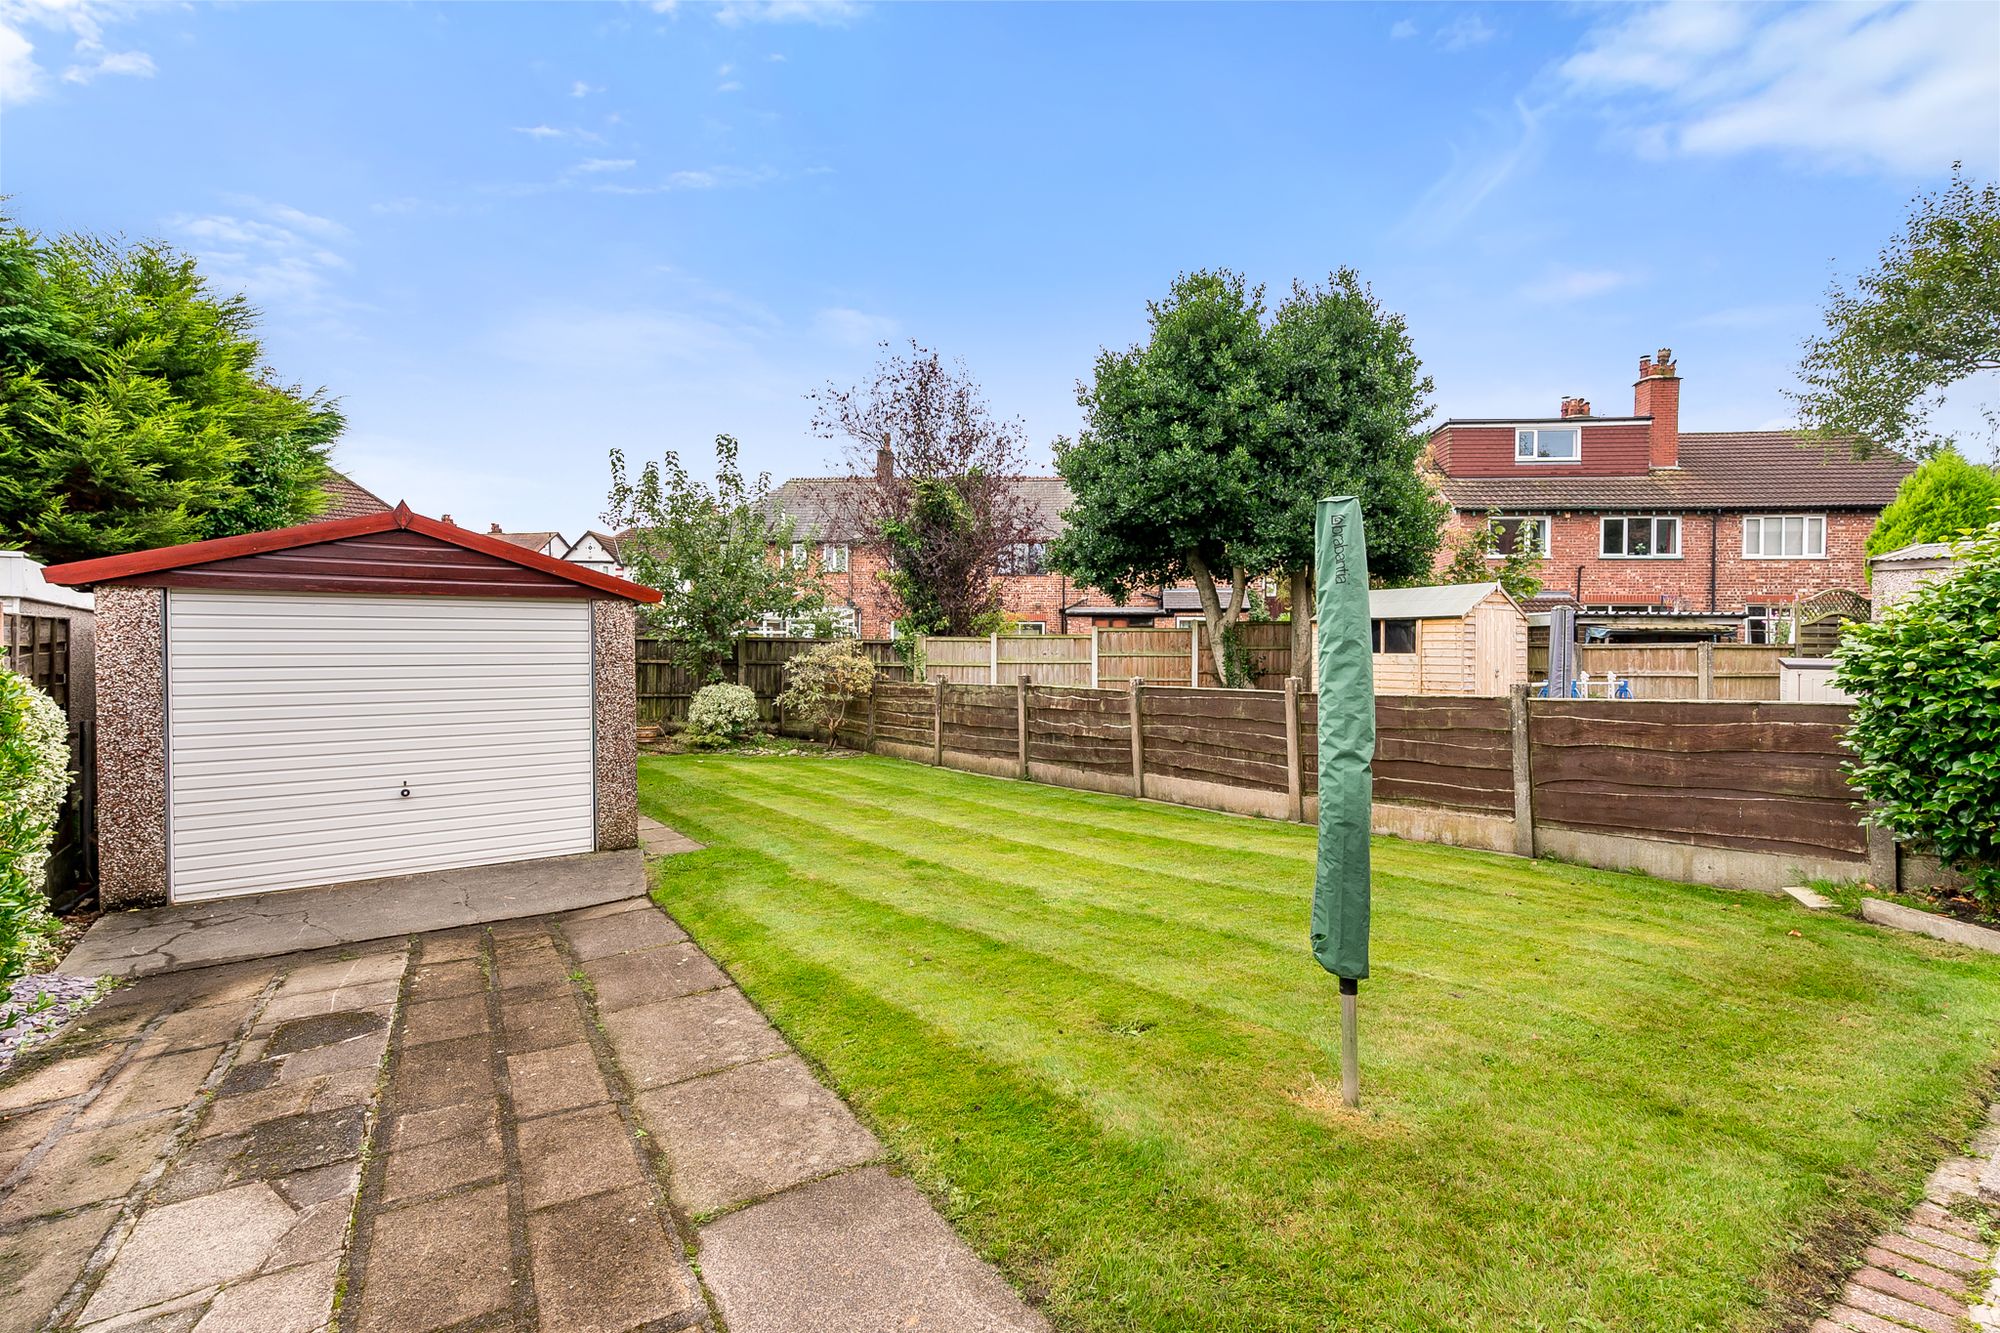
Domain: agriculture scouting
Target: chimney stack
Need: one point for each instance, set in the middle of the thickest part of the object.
(885, 462)
(1658, 395)
(494, 529)
(1575, 407)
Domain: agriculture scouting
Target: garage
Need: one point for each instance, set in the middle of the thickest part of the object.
(345, 701)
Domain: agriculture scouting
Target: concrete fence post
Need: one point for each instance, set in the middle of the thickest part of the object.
(1704, 671)
(1138, 739)
(993, 659)
(1884, 863)
(1021, 720)
(1194, 656)
(1294, 782)
(1095, 632)
(1524, 785)
(937, 721)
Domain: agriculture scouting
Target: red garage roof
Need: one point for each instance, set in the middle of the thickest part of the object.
(362, 566)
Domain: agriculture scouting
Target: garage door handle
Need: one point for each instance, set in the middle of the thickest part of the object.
(406, 789)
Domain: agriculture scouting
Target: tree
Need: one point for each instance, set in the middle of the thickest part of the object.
(133, 412)
(823, 680)
(1943, 499)
(934, 485)
(717, 556)
(1925, 729)
(1165, 470)
(1926, 318)
(1519, 571)
(1348, 402)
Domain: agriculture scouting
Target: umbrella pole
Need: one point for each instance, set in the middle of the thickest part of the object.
(1350, 1045)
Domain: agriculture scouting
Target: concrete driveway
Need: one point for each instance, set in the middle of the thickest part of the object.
(533, 1124)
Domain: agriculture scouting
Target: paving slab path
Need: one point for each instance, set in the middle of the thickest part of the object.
(568, 1122)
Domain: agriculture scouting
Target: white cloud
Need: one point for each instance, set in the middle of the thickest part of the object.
(729, 86)
(710, 178)
(1467, 30)
(540, 131)
(595, 165)
(83, 21)
(827, 13)
(279, 256)
(1899, 87)
(1402, 30)
(1561, 285)
(582, 89)
(852, 328)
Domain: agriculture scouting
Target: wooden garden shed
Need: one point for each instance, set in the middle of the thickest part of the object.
(347, 700)
(1465, 638)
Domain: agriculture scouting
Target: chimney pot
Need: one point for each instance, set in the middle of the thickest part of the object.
(885, 462)
(494, 528)
(446, 518)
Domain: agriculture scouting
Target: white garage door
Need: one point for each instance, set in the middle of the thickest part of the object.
(314, 739)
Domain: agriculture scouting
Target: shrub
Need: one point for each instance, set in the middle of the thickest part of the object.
(34, 774)
(720, 714)
(821, 681)
(1926, 728)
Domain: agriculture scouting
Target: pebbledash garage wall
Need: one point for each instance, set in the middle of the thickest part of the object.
(400, 556)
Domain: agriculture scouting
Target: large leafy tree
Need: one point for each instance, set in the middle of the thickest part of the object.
(1942, 500)
(133, 408)
(1166, 468)
(1348, 402)
(934, 485)
(717, 555)
(1924, 319)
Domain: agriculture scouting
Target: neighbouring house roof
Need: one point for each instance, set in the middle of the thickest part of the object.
(604, 539)
(1718, 470)
(533, 541)
(142, 566)
(1086, 611)
(1187, 597)
(822, 508)
(1446, 601)
(348, 498)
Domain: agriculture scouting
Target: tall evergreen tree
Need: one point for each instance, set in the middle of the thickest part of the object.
(133, 408)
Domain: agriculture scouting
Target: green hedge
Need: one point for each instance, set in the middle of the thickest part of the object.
(34, 774)
(1926, 728)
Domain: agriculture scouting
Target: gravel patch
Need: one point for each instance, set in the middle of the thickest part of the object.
(70, 996)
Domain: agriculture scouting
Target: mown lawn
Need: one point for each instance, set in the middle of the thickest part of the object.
(1091, 1028)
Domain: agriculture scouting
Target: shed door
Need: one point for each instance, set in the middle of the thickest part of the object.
(295, 722)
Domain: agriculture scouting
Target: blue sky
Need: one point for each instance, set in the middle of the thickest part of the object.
(513, 236)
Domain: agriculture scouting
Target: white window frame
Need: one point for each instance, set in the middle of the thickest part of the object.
(796, 556)
(1029, 627)
(1763, 531)
(1189, 621)
(1547, 531)
(1534, 444)
(1628, 520)
(833, 557)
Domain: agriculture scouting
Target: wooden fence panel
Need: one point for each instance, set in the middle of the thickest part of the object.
(1762, 777)
(1090, 729)
(1156, 656)
(981, 719)
(958, 661)
(1046, 659)
(903, 714)
(37, 649)
(1452, 752)
(1269, 643)
(1233, 737)
(665, 689)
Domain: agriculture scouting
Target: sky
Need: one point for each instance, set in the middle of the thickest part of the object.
(511, 238)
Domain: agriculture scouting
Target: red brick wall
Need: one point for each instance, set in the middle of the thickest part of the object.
(1683, 583)
(1023, 596)
(1488, 451)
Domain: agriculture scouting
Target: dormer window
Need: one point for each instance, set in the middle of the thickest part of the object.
(1548, 444)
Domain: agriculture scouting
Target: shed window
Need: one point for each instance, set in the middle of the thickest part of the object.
(1395, 636)
(1641, 538)
(1548, 444)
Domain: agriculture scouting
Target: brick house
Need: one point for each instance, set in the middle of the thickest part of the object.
(1721, 529)
(849, 562)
